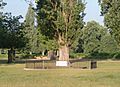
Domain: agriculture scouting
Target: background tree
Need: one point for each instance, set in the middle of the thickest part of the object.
(13, 37)
(77, 47)
(2, 30)
(30, 31)
(110, 11)
(58, 20)
(92, 34)
(108, 44)
(37, 42)
(98, 42)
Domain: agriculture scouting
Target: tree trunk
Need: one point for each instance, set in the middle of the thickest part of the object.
(64, 53)
(51, 55)
(11, 55)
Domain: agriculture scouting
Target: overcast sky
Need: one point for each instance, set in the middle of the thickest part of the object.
(19, 7)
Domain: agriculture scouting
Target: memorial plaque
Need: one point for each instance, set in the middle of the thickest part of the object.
(61, 63)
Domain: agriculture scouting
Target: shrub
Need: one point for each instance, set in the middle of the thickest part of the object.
(77, 55)
(26, 56)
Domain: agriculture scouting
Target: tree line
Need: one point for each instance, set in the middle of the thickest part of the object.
(59, 25)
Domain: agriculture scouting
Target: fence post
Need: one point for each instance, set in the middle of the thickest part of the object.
(93, 64)
(43, 64)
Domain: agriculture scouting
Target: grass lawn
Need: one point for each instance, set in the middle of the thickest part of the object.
(106, 75)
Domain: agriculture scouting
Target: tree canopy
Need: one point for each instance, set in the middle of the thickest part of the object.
(110, 11)
(13, 36)
(59, 19)
(92, 34)
(30, 31)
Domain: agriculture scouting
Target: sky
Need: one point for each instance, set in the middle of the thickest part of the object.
(19, 7)
(93, 11)
(16, 7)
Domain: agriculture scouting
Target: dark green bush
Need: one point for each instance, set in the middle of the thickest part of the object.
(77, 55)
(26, 56)
(104, 55)
(116, 56)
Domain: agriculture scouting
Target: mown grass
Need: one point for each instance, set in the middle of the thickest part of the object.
(106, 75)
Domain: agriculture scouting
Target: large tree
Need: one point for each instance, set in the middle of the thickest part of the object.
(61, 20)
(92, 34)
(36, 41)
(110, 9)
(30, 31)
(97, 39)
(12, 35)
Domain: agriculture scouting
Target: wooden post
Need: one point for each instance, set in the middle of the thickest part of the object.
(43, 64)
(93, 64)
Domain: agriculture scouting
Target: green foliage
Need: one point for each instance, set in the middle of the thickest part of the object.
(100, 56)
(3, 35)
(44, 43)
(11, 32)
(92, 34)
(104, 56)
(77, 55)
(117, 56)
(26, 56)
(108, 44)
(46, 17)
(98, 39)
(59, 19)
(70, 19)
(2, 30)
(110, 11)
(37, 42)
(30, 31)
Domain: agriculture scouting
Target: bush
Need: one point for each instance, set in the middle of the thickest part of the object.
(116, 56)
(26, 56)
(96, 55)
(77, 55)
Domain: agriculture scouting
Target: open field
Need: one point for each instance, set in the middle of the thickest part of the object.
(106, 75)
